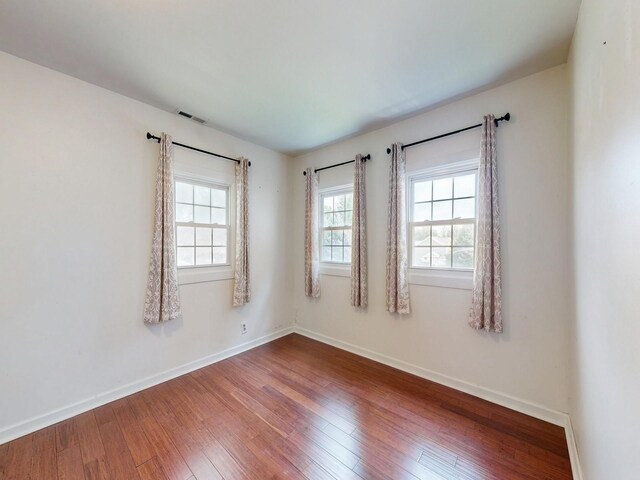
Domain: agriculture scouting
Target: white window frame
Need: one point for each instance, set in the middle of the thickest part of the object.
(453, 277)
(339, 269)
(189, 274)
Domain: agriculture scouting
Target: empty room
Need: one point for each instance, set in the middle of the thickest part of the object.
(281, 239)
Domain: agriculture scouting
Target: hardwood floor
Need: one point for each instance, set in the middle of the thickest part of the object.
(294, 408)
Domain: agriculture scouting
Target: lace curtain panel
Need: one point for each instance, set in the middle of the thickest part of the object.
(486, 306)
(241, 284)
(359, 237)
(162, 301)
(397, 261)
(311, 241)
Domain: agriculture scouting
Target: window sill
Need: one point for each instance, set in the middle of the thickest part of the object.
(335, 270)
(442, 278)
(201, 275)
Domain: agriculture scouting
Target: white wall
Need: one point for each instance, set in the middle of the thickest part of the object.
(605, 397)
(530, 359)
(77, 188)
(76, 191)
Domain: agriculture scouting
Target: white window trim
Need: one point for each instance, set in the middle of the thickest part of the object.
(210, 273)
(458, 278)
(334, 269)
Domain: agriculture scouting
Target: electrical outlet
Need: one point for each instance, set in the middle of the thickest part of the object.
(243, 327)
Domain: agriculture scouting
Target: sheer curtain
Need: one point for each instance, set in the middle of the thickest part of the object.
(486, 306)
(162, 301)
(311, 240)
(359, 237)
(397, 261)
(241, 284)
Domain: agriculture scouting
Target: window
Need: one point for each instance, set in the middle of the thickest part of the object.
(335, 225)
(202, 224)
(442, 205)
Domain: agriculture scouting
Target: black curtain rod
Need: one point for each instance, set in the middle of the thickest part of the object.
(506, 117)
(365, 158)
(153, 137)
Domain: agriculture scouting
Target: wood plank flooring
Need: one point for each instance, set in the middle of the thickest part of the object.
(293, 409)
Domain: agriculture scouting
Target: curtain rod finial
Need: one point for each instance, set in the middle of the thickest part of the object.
(507, 117)
(149, 136)
(388, 151)
(304, 173)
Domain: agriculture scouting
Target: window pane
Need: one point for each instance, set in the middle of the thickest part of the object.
(347, 254)
(338, 219)
(219, 216)
(442, 210)
(326, 237)
(464, 186)
(328, 204)
(203, 255)
(339, 203)
(441, 257)
(328, 219)
(185, 256)
(463, 257)
(184, 192)
(220, 237)
(219, 255)
(347, 237)
(201, 214)
(422, 191)
(326, 254)
(348, 218)
(421, 212)
(203, 236)
(184, 213)
(441, 235)
(349, 201)
(218, 197)
(336, 237)
(422, 236)
(464, 208)
(463, 235)
(336, 254)
(201, 195)
(420, 257)
(442, 188)
(184, 236)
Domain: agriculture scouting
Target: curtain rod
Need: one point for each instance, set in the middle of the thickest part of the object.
(153, 137)
(364, 158)
(506, 117)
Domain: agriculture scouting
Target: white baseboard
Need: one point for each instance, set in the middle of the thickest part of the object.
(573, 451)
(36, 423)
(529, 408)
(519, 405)
(514, 403)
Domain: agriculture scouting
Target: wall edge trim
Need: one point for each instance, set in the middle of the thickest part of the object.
(576, 469)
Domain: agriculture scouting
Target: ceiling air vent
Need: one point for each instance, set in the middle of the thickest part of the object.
(192, 117)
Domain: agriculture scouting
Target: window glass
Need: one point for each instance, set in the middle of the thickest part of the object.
(202, 224)
(335, 231)
(442, 211)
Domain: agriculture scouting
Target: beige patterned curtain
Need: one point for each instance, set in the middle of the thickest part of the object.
(162, 302)
(359, 237)
(397, 261)
(486, 306)
(241, 285)
(311, 240)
